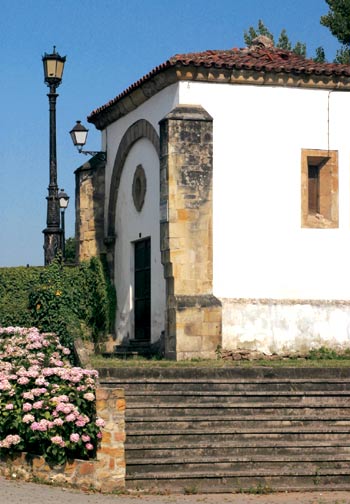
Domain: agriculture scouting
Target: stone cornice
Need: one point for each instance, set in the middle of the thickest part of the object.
(149, 87)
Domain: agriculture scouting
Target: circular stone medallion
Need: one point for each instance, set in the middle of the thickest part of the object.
(139, 186)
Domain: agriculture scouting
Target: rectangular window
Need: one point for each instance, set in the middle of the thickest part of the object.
(319, 188)
(314, 189)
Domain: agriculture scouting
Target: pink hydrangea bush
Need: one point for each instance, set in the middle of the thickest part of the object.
(47, 406)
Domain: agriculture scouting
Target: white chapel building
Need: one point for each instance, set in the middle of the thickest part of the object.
(223, 205)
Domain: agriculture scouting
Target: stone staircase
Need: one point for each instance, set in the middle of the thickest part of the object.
(131, 349)
(235, 429)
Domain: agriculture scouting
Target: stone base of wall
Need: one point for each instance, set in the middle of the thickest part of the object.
(83, 474)
(196, 327)
(105, 474)
(284, 326)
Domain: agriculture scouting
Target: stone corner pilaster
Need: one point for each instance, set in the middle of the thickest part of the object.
(186, 170)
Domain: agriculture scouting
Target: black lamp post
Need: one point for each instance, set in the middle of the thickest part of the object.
(63, 199)
(53, 70)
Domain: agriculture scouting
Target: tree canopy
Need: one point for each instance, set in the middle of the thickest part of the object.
(338, 21)
(283, 40)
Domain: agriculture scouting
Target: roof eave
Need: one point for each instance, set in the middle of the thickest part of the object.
(153, 83)
(128, 101)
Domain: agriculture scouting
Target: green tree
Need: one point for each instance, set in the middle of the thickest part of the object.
(283, 40)
(338, 21)
(320, 55)
(343, 55)
(252, 33)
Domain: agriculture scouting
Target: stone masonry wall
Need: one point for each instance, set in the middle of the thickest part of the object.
(193, 314)
(106, 473)
(90, 195)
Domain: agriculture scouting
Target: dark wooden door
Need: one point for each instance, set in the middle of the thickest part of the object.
(143, 290)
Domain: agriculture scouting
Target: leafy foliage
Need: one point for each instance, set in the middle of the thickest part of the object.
(47, 407)
(320, 55)
(15, 284)
(70, 301)
(70, 251)
(338, 20)
(343, 55)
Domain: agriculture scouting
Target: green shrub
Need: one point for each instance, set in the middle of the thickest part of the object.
(70, 301)
(15, 285)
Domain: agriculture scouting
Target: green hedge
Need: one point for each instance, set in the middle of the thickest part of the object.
(71, 301)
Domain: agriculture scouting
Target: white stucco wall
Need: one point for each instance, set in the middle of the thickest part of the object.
(153, 110)
(132, 225)
(260, 249)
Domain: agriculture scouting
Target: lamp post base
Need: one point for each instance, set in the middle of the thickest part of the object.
(53, 238)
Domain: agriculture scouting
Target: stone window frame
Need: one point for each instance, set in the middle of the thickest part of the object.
(328, 179)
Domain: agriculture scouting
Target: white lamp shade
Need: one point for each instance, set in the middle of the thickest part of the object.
(79, 134)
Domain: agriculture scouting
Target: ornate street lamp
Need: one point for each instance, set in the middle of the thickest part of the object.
(53, 71)
(79, 135)
(63, 199)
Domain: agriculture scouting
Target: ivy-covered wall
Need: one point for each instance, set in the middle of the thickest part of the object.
(70, 301)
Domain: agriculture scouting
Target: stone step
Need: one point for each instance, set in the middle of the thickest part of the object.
(230, 374)
(251, 438)
(224, 469)
(243, 412)
(236, 483)
(159, 393)
(265, 449)
(234, 425)
(229, 429)
(283, 416)
(236, 401)
(243, 458)
(233, 429)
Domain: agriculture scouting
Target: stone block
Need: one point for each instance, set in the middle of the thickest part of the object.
(85, 468)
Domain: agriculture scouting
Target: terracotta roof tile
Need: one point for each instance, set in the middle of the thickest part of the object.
(256, 58)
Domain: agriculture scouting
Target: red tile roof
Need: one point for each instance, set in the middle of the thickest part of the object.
(255, 58)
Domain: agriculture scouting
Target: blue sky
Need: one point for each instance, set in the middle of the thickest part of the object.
(109, 44)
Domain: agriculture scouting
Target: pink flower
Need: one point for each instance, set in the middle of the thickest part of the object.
(11, 439)
(27, 407)
(100, 423)
(80, 423)
(28, 395)
(23, 380)
(38, 404)
(89, 446)
(74, 437)
(89, 396)
(85, 438)
(58, 422)
(58, 440)
(9, 406)
(42, 426)
(28, 418)
(70, 417)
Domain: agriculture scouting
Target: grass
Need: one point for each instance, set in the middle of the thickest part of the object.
(101, 362)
